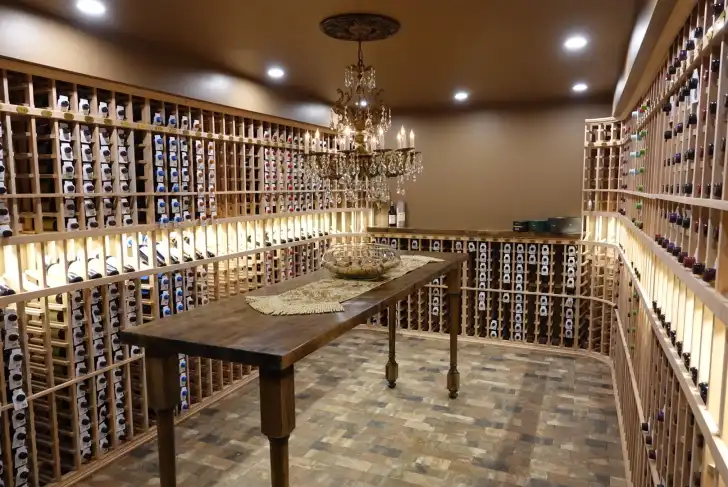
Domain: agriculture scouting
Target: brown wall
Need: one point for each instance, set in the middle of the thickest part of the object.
(30, 37)
(485, 169)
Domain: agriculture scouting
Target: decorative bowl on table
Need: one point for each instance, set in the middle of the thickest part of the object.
(360, 260)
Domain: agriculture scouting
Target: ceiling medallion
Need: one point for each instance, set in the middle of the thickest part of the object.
(358, 160)
(359, 27)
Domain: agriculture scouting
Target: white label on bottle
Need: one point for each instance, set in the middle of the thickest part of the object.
(84, 425)
(19, 419)
(20, 400)
(400, 220)
(392, 219)
(19, 438)
(21, 457)
(21, 475)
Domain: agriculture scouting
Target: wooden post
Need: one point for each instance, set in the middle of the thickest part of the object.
(453, 292)
(277, 419)
(163, 394)
(392, 369)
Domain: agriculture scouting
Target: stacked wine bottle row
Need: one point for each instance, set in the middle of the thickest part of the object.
(517, 289)
(106, 156)
(669, 224)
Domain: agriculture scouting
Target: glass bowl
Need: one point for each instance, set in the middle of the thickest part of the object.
(360, 260)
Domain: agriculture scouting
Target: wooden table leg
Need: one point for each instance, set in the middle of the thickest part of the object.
(453, 292)
(391, 371)
(163, 395)
(277, 419)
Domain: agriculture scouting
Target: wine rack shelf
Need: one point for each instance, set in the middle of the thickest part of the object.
(653, 189)
(119, 206)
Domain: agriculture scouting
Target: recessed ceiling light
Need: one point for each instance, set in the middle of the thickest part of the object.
(575, 43)
(276, 72)
(461, 96)
(91, 7)
(579, 87)
(363, 103)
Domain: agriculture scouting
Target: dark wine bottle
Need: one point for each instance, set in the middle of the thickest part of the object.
(392, 216)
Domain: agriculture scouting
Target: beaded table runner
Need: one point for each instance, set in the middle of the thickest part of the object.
(326, 295)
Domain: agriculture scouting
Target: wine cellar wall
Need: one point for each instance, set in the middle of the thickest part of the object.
(654, 188)
(119, 206)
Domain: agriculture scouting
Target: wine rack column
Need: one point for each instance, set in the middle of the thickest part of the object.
(15, 394)
(483, 282)
(8, 208)
(489, 278)
(544, 302)
(571, 303)
(508, 284)
(519, 278)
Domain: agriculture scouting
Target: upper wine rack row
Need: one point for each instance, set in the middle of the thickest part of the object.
(699, 38)
(98, 157)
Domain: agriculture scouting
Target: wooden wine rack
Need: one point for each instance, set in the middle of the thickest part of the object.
(653, 189)
(119, 206)
(534, 289)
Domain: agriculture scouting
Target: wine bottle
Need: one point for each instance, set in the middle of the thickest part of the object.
(95, 268)
(6, 290)
(392, 216)
(75, 271)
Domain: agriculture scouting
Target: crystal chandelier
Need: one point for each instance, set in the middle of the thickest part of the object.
(359, 160)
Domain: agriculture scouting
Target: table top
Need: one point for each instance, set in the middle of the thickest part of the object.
(231, 330)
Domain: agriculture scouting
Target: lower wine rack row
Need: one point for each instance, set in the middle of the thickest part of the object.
(70, 393)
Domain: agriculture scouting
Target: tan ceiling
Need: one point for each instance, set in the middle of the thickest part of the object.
(502, 51)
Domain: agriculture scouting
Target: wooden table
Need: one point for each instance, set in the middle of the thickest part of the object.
(231, 330)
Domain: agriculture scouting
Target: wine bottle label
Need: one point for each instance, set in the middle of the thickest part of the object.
(15, 360)
(15, 381)
(20, 401)
(392, 219)
(98, 348)
(19, 419)
(21, 457)
(12, 338)
(79, 353)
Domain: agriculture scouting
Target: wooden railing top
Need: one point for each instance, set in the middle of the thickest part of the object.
(505, 234)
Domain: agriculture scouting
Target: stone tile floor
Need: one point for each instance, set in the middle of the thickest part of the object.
(522, 419)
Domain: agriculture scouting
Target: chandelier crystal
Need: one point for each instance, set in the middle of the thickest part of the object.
(359, 160)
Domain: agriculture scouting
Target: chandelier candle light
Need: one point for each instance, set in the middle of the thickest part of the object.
(359, 160)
